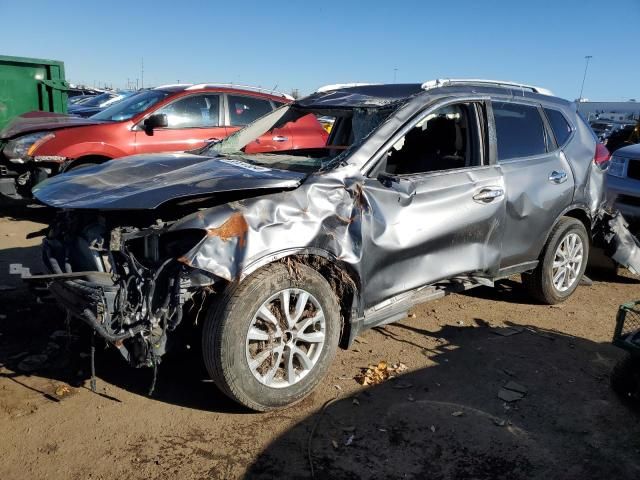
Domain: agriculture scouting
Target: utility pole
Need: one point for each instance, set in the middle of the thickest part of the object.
(142, 72)
(584, 77)
(395, 73)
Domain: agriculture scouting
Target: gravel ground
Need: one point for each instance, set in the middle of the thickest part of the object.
(439, 418)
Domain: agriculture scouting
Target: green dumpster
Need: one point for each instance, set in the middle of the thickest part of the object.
(28, 84)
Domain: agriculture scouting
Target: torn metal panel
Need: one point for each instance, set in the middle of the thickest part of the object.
(619, 243)
(322, 213)
(362, 96)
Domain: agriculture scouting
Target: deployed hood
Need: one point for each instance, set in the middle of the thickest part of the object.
(145, 182)
(39, 121)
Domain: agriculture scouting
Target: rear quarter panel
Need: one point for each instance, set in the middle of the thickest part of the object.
(579, 151)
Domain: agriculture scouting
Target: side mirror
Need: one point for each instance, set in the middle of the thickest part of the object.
(157, 120)
(386, 179)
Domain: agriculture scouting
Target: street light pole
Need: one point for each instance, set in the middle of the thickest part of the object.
(584, 77)
(395, 72)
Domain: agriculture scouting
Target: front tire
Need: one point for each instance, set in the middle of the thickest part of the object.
(562, 263)
(270, 340)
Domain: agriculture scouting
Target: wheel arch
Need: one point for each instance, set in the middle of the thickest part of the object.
(577, 211)
(85, 159)
(341, 277)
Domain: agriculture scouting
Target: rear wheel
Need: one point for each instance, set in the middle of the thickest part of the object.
(625, 378)
(270, 340)
(562, 263)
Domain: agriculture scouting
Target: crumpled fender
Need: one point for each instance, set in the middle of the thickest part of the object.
(319, 215)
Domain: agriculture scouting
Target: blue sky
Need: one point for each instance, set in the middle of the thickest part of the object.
(307, 44)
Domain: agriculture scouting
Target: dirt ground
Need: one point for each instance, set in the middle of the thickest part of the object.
(439, 419)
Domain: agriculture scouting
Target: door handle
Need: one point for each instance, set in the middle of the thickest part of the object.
(212, 139)
(558, 176)
(280, 138)
(488, 195)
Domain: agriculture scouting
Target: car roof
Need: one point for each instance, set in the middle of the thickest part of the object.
(346, 96)
(223, 87)
(379, 95)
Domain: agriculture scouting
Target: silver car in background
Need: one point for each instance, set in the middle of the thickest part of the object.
(623, 181)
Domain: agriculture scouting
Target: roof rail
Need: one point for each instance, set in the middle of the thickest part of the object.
(338, 86)
(240, 87)
(441, 82)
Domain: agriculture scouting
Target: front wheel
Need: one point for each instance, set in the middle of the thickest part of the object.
(562, 263)
(269, 341)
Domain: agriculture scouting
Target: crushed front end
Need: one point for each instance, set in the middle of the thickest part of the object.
(123, 281)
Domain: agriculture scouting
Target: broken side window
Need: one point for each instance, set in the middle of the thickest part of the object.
(446, 139)
(302, 139)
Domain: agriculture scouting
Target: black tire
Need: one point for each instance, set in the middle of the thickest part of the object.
(625, 378)
(226, 328)
(539, 282)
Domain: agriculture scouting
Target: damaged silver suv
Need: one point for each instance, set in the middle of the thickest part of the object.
(420, 190)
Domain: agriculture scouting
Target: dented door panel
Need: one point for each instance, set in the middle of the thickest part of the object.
(425, 228)
(534, 202)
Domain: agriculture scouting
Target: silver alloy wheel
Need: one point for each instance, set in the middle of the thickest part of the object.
(567, 262)
(285, 338)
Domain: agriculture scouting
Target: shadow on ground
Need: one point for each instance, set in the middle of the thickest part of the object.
(447, 422)
(39, 350)
(444, 421)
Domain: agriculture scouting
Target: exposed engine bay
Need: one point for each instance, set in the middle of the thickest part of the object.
(125, 282)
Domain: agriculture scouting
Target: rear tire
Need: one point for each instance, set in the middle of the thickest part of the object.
(562, 263)
(625, 378)
(259, 356)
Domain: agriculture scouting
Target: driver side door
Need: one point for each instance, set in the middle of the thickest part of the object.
(437, 204)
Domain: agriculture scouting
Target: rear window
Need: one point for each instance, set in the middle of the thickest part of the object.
(520, 131)
(244, 110)
(559, 125)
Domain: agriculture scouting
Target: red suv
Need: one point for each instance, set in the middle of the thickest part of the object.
(168, 118)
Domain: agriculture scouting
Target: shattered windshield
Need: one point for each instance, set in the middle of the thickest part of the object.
(301, 139)
(131, 106)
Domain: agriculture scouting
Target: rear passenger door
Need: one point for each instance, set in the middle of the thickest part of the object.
(242, 110)
(194, 121)
(538, 179)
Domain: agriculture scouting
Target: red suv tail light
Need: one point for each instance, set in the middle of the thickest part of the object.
(601, 156)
